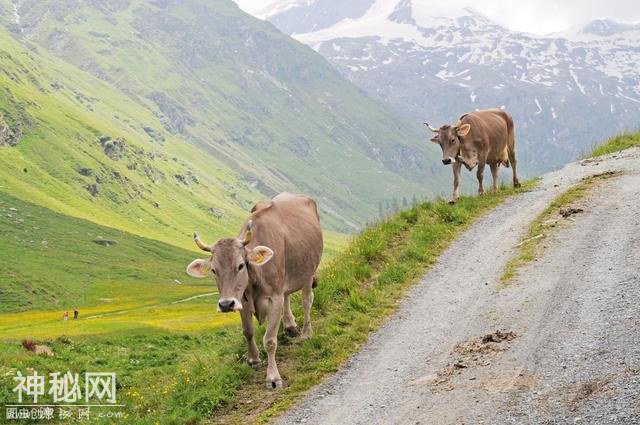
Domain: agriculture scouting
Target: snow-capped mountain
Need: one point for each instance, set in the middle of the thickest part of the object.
(566, 91)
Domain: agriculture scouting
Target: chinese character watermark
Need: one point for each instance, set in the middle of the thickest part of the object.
(66, 388)
(101, 385)
(98, 389)
(32, 385)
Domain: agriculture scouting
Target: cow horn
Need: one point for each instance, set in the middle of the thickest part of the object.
(201, 244)
(248, 233)
(435, 130)
(458, 124)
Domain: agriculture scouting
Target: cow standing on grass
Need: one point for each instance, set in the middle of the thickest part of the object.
(478, 138)
(277, 253)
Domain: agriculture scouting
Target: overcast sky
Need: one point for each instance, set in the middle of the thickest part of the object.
(534, 16)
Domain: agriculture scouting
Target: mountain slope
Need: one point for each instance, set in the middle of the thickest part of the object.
(58, 262)
(91, 157)
(433, 62)
(245, 110)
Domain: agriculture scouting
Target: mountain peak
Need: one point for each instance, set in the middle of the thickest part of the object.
(608, 27)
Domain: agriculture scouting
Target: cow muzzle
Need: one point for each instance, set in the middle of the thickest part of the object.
(228, 305)
(448, 161)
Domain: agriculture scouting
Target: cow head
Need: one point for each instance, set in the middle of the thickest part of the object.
(449, 139)
(229, 262)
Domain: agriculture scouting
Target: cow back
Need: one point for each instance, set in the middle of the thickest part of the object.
(490, 132)
(290, 226)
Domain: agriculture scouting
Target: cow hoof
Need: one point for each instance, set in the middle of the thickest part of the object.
(275, 385)
(291, 332)
(517, 185)
(452, 202)
(254, 363)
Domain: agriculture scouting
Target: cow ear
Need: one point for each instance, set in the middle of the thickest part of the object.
(199, 268)
(260, 255)
(464, 129)
(435, 139)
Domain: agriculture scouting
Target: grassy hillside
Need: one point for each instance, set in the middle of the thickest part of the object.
(92, 158)
(207, 110)
(615, 144)
(199, 376)
(52, 262)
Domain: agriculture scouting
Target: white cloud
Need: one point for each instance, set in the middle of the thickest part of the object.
(545, 16)
(534, 16)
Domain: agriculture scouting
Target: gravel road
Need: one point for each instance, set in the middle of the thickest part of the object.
(569, 346)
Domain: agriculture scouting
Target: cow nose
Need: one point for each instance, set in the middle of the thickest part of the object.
(226, 305)
(446, 161)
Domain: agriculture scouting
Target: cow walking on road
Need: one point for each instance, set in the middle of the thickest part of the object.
(478, 138)
(276, 254)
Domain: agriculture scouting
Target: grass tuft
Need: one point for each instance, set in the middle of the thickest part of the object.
(616, 144)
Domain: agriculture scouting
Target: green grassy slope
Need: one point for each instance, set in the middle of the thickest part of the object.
(199, 376)
(616, 144)
(52, 262)
(142, 185)
(244, 108)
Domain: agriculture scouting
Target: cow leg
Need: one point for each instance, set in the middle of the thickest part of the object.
(271, 342)
(307, 300)
(494, 175)
(253, 355)
(290, 327)
(512, 160)
(480, 175)
(456, 182)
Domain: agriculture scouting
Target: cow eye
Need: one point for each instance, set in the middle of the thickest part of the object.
(241, 266)
(214, 271)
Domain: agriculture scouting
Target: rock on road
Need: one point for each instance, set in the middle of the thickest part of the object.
(569, 350)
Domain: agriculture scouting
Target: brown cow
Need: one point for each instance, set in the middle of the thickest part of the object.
(478, 138)
(277, 253)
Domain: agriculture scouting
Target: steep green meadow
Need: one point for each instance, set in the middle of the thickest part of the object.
(52, 262)
(55, 262)
(184, 363)
(207, 110)
(61, 158)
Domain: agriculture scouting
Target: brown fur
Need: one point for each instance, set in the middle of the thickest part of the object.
(492, 137)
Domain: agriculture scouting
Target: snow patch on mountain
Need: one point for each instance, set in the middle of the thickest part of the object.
(375, 23)
(278, 7)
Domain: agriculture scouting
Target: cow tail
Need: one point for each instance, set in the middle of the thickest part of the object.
(511, 138)
(314, 282)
